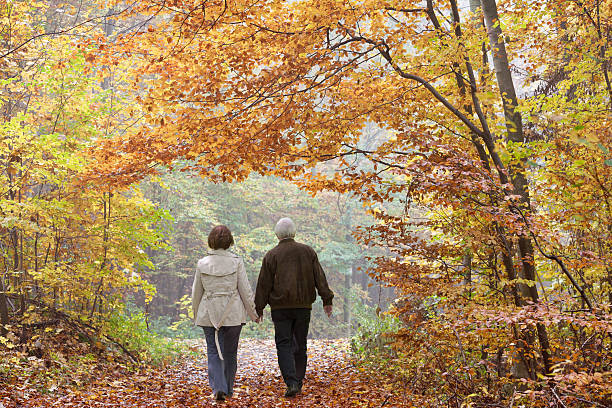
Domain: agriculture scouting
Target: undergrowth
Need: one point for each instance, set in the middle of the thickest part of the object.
(54, 351)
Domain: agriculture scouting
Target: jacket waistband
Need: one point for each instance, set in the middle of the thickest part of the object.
(219, 294)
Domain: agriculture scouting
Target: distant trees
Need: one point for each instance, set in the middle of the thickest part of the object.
(251, 209)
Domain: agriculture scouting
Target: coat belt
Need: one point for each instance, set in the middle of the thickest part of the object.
(219, 294)
(223, 316)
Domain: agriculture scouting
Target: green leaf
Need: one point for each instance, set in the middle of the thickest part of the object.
(603, 148)
(608, 162)
(583, 140)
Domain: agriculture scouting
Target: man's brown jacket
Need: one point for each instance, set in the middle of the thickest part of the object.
(290, 273)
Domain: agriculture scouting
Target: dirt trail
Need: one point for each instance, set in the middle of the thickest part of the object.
(331, 381)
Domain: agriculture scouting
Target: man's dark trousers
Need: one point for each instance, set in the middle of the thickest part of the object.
(290, 333)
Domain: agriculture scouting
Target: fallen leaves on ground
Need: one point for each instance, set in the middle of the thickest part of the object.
(331, 381)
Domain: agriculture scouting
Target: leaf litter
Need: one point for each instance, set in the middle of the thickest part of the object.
(332, 380)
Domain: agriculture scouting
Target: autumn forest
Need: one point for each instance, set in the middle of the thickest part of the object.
(450, 161)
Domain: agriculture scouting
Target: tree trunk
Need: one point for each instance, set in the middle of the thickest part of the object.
(474, 5)
(347, 299)
(466, 264)
(4, 316)
(514, 128)
(514, 123)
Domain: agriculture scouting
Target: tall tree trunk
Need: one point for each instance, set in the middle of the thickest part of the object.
(474, 5)
(4, 316)
(514, 131)
(466, 264)
(348, 282)
(23, 298)
(347, 299)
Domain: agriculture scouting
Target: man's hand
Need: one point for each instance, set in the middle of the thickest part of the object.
(259, 319)
(328, 310)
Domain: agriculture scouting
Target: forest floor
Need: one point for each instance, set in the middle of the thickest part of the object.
(332, 380)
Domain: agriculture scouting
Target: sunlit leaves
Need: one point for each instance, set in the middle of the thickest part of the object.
(78, 244)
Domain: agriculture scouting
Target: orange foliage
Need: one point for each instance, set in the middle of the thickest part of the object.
(505, 231)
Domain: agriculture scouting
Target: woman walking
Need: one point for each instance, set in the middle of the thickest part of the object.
(222, 298)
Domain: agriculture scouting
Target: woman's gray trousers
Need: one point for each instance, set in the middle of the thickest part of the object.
(221, 373)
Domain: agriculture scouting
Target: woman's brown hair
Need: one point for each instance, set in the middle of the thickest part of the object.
(220, 237)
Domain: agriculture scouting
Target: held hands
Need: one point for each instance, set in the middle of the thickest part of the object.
(328, 310)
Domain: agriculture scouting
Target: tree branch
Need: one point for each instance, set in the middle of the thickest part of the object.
(558, 261)
(60, 32)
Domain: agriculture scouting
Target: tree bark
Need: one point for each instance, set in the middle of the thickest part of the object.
(514, 131)
(347, 298)
(4, 316)
(466, 264)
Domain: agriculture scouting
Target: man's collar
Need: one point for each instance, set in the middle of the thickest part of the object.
(286, 240)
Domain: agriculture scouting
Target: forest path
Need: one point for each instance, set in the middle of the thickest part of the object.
(331, 381)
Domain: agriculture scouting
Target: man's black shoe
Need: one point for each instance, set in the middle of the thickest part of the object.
(292, 390)
(220, 396)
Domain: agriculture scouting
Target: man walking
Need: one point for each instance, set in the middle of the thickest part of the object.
(290, 273)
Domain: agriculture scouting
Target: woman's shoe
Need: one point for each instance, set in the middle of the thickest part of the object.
(220, 396)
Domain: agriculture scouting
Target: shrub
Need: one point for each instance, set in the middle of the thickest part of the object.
(130, 329)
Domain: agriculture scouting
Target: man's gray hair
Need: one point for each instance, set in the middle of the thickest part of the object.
(285, 228)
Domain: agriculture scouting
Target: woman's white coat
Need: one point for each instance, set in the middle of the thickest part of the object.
(221, 293)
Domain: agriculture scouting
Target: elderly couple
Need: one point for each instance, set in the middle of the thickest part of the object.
(222, 298)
